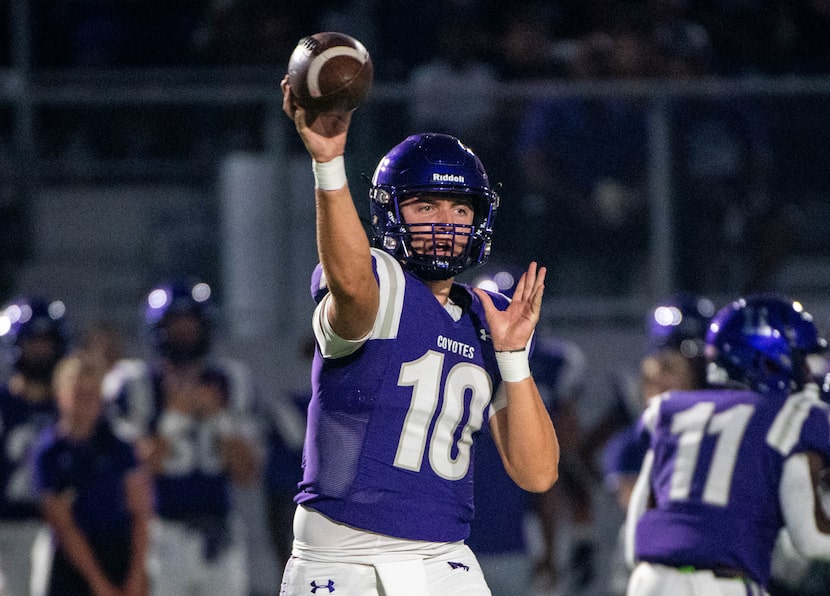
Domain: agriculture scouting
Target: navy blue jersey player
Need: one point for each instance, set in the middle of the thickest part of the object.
(728, 467)
(34, 332)
(93, 494)
(405, 372)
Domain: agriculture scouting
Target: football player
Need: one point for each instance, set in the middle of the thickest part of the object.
(193, 414)
(35, 336)
(728, 467)
(675, 339)
(674, 361)
(409, 367)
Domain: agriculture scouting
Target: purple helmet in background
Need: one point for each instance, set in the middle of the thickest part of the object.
(180, 297)
(680, 323)
(34, 317)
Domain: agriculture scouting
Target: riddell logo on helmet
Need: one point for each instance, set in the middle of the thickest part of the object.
(447, 178)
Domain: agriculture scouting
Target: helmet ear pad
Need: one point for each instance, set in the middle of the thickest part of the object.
(436, 164)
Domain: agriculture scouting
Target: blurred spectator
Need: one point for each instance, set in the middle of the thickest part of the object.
(285, 434)
(405, 36)
(250, 32)
(581, 162)
(499, 530)
(455, 92)
(518, 535)
(527, 46)
(105, 34)
(723, 169)
(749, 36)
(94, 495)
(566, 512)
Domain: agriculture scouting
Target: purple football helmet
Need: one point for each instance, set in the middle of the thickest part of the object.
(180, 297)
(31, 317)
(680, 323)
(762, 342)
(432, 163)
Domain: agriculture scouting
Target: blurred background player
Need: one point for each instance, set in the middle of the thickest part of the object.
(728, 467)
(93, 493)
(515, 533)
(544, 542)
(565, 514)
(676, 336)
(626, 400)
(193, 412)
(35, 337)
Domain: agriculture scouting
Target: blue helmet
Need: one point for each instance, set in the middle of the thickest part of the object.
(762, 342)
(180, 297)
(680, 323)
(436, 164)
(29, 317)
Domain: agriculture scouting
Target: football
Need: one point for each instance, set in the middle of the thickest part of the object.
(330, 72)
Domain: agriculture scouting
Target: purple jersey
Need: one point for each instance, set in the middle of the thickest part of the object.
(21, 422)
(389, 445)
(94, 470)
(718, 459)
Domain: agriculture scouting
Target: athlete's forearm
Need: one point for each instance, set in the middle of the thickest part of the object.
(527, 437)
(343, 248)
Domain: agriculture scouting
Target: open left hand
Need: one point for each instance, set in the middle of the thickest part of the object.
(512, 328)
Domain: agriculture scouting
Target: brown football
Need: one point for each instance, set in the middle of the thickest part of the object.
(330, 72)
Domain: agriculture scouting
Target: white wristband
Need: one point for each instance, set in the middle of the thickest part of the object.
(513, 366)
(329, 175)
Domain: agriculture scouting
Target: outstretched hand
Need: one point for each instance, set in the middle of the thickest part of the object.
(323, 134)
(512, 328)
